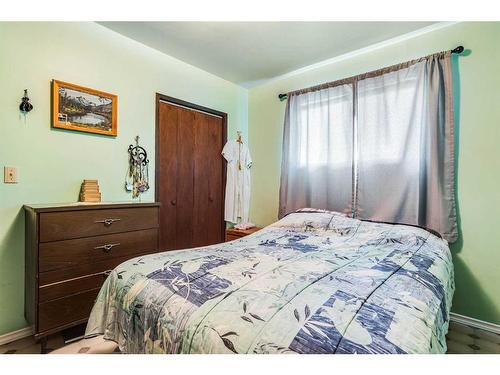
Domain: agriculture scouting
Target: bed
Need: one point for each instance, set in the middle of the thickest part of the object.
(313, 282)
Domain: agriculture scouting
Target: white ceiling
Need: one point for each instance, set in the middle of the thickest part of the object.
(248, 52)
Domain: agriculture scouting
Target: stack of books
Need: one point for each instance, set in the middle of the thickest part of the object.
(90, 191)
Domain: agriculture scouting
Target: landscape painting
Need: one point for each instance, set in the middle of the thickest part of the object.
(83, 109)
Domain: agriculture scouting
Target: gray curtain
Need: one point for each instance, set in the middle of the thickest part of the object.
(317, 151)
(377, 146)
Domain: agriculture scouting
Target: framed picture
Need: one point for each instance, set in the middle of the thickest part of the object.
(82, 109)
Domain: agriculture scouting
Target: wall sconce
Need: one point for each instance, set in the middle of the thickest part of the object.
(25, 105)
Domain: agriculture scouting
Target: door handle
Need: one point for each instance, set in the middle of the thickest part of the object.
(107, 248)
(173, 202)
(107, 222)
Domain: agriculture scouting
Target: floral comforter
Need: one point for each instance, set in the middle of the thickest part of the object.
(313, 282)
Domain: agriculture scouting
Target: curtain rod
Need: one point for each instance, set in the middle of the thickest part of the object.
(456, 50)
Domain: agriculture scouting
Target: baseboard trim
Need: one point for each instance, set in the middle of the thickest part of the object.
(16, 335)
(476, 323)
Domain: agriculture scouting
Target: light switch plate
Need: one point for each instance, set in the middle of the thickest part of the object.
(10, 175)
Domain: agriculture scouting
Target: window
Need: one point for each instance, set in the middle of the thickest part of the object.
(378, 146)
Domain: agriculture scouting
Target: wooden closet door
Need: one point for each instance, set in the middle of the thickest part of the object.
(166, 173)
(186, 154)
(190, 175)
(208, 176)
(201, 215)
(215, 226)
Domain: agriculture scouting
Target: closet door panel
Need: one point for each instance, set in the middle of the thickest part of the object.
(215, 181)
(185, 178)
(201, 214)
(190, 175)
(167, 192)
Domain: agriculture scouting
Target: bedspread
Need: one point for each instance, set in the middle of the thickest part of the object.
(313, 282)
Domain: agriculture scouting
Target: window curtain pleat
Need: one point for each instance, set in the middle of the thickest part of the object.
(317, 151)
(377, 147)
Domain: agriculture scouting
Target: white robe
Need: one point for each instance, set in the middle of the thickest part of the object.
(237, 205)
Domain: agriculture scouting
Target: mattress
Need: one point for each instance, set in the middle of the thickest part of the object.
(313, 282)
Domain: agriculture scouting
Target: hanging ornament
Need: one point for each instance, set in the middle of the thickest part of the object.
(25, 105)
(137, 178)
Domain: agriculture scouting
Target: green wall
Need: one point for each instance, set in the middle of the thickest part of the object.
(477, 77)
(52, 163)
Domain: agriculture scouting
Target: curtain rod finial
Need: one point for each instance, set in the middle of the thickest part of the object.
(282, 97)
(459, 49)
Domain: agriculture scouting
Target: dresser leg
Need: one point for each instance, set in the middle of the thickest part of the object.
(43, 345)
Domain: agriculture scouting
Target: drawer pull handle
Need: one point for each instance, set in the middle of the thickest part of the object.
(107, 247)
(107, 222)
(107, 273)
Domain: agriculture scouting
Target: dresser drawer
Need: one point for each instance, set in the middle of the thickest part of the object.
(70, 253)
(56, 226)
(230, 237)
(66, 288)
(85, 269)
(64, 311)
(235, 234)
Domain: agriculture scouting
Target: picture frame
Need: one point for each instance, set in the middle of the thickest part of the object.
(83, 109)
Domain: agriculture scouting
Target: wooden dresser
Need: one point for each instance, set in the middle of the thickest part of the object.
(70, 250)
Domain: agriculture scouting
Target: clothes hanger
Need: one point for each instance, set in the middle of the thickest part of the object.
(239, 137)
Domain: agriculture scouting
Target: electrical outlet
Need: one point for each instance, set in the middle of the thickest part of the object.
(10, 175)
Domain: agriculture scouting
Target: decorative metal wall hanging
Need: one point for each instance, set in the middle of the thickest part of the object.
(137, 178)
(25, 105)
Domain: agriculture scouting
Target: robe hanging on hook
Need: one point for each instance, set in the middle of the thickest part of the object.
(25, 105)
